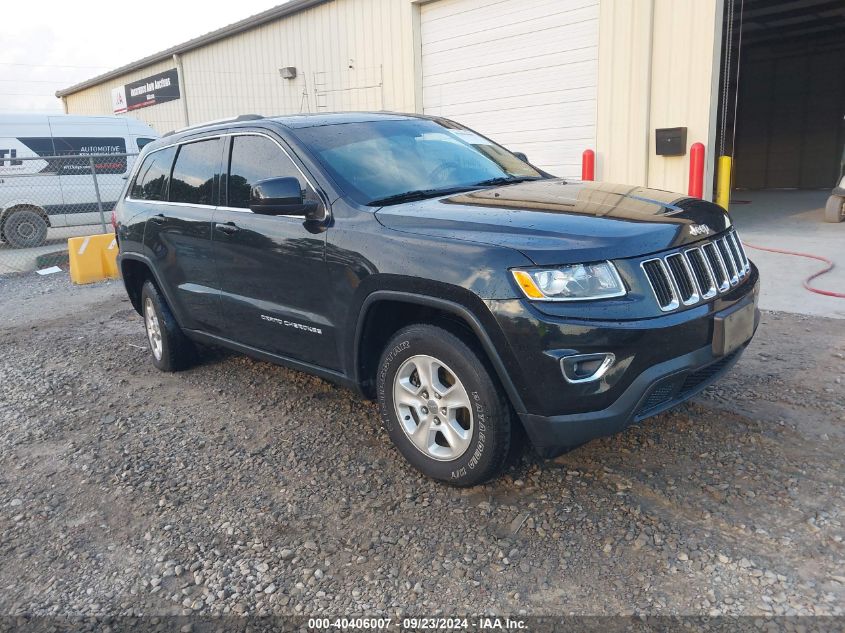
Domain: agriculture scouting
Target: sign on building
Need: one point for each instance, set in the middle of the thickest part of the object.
(159, 88)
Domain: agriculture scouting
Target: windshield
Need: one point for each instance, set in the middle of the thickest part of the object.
(383, 162)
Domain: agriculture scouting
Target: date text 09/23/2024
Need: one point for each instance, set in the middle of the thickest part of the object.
(416, 624)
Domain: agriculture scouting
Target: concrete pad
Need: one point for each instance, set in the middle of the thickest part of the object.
(22, 260)
(792, 220)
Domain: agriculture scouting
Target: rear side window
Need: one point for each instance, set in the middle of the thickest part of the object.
(152, 178)
(255, 158)
(194, 174)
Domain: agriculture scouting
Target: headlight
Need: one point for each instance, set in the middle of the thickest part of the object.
(576, 282)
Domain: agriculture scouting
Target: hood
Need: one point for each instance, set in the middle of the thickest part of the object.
(555, 222)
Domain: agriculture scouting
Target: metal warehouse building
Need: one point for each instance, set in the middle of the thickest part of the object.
(638, 81)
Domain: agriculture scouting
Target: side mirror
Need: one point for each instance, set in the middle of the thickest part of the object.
(521, 156)
(279, 196)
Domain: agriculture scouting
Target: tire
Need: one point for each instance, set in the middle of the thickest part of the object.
(170, 349)
(25, 228)
(834, 210)
(467, 446)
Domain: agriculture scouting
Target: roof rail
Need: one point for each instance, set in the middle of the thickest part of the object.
(236, 119)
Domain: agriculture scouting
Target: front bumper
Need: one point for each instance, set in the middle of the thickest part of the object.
(655, 390)
(661, 362)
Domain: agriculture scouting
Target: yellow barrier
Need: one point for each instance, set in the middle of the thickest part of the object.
(723, 182)
(93, 258)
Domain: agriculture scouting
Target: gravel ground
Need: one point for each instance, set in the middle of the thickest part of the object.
(240, 487)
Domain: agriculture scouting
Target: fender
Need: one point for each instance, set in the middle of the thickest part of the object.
(138, 257)
(446, 305)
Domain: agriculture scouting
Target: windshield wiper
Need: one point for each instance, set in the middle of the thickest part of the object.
(416, 194)
(506, 180)
(422, 194)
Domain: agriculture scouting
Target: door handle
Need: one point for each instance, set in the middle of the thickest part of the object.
(158, 219)
(230, 228)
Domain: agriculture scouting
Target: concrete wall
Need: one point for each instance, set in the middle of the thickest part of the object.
(658, 67)
(349, 55)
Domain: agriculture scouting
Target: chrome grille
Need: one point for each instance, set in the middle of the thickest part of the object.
(728, 259)
(687, 289)
(739, 249)
(663, 289)
(697, 274)
(717, 266)
(703, 275)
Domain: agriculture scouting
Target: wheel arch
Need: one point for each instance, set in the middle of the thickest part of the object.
(135, 269)
(385, 312)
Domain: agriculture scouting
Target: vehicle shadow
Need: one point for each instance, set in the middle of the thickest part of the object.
(209, 356)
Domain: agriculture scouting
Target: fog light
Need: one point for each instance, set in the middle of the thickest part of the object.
(586, 367)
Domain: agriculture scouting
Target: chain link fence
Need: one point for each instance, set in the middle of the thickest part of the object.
(44, 200)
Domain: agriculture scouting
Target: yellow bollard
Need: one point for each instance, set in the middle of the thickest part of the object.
(92, 258)
(723, 182)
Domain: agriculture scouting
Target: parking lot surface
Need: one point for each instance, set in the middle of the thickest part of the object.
(240, 487)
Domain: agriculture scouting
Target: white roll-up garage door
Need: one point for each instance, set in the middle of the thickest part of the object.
(523, 72)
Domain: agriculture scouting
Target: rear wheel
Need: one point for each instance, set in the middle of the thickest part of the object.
(442, 408)
(170, 348)
(834, 210)
(25, 228)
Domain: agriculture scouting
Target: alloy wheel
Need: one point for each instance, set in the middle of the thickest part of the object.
(153, 328)
(433, 408)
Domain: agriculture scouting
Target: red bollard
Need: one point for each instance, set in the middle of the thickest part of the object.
(588, 165)
(696, 170)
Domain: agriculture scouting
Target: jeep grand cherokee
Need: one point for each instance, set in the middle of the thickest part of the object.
(427, 267)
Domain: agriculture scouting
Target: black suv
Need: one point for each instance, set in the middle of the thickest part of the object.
(424, 265)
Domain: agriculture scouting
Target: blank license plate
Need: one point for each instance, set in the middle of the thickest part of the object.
(733, 330)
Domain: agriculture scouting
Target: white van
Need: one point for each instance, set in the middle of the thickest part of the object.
(52, 191)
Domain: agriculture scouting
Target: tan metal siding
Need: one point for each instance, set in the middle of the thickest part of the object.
(656, 70)
(681, 86)
(349, 55)
(97, 100)
(623, 91)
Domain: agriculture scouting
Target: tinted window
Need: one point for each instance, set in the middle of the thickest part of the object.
(195, 171)
(255, 158)
(143, 142)
(378, 159)
(151, 181)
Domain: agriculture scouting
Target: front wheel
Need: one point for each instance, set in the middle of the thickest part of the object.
(25, 228)
(442, 408)
(834, 210)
